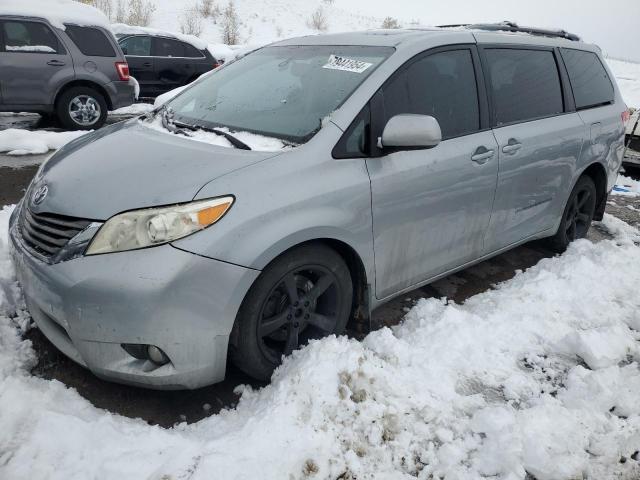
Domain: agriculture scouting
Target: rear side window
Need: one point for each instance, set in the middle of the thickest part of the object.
(29, 37)
(442, 85)
(90, 41)
(191, 51)
(525, 85)
(590, 82)
(136, 46)
(165, 47)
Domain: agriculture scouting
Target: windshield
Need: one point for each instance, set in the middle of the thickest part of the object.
(284, 92)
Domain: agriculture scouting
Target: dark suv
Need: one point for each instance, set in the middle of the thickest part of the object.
(162, 63)
(77, 73)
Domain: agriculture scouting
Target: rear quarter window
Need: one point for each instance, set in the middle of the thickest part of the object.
(191, 51)
(92, 42)
(590, 82)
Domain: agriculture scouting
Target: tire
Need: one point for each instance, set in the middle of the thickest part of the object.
(577, 215)
(70, 104)
(304, 294)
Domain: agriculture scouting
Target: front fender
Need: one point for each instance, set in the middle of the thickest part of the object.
(299, 196)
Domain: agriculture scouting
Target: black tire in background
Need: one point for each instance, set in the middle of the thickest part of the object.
(70, 104)
(577, 215)
(304, 294)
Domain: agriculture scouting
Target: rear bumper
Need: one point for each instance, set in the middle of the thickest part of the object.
(183, 303)
(121, 94)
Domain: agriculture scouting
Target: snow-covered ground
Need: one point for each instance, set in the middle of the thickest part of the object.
(628, 78)
(539, 374)
(626, 186)
(15, 141)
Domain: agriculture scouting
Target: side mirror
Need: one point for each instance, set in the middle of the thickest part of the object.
(411, 131)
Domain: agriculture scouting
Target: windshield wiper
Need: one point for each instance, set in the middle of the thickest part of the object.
(236, 142)
(181, 128)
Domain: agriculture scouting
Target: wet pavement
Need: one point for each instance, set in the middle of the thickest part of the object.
(169, 408)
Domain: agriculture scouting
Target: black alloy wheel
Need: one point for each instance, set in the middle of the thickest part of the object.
(303, 295)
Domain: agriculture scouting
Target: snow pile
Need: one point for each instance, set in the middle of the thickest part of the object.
(124, 29)
(15, 141)
(165, 97)
(135, 109)
(628, 78)
(539, 375)
(57, 12)
(626, 186)
(258, 143)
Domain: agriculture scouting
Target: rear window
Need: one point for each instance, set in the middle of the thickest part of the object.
(525, 85)
(29, 37)
(90, 41)
(590, 82)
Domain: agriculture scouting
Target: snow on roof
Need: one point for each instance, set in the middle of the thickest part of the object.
(57, 12)
(124, 29)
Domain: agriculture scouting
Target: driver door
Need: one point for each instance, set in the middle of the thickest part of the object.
(431, 207)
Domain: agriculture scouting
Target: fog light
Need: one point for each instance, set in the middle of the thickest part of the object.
(156, 355)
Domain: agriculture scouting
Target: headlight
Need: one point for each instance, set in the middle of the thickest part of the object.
(155, 226)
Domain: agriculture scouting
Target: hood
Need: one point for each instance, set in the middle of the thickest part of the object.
(129, 166)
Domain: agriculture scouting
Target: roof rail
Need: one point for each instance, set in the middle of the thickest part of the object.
(514, 27)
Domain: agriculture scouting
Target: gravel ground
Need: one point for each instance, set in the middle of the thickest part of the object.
(168, 408)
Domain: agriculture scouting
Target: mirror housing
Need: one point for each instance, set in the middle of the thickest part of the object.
(411, 131)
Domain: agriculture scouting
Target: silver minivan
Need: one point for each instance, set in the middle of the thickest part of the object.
(76, 73)
(298, 188)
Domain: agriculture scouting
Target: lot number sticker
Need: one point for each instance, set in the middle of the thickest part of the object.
(337, 62)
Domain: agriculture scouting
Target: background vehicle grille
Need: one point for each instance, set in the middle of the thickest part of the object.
(47, 233)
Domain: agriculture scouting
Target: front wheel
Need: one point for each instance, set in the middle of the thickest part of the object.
(577, 215)
(304, 294)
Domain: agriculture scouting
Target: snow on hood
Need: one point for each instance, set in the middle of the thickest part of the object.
(124, 29)
(257, 143)
(57, 12)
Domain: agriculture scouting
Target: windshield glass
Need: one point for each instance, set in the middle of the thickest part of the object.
(283, 92)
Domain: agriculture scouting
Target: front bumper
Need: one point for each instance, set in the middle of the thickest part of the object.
(122, 94)
(183, 303)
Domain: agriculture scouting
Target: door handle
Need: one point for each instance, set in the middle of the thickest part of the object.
(512, 147)
(482, 155)
(146, 64)
(56, 63)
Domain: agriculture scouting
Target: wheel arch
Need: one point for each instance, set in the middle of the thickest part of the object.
(360, 316)
(598, 174)
(84, 83)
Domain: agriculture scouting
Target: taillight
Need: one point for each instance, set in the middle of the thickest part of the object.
(626, 115)
(123, 70)
(216, 65)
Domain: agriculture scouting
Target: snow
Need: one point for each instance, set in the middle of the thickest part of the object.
(14, 141)
(29, 48)
(136, 86)
(57, 12)
(626, 186)
(256, 142)
(121, 28)
(135, 109)
(628, 79)
(537, 375)
(165, 97)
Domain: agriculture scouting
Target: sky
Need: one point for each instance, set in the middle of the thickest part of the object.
(613, 24)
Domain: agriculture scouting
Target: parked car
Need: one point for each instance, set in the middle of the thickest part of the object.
(404, 156)
(161, 63)
(77, 73)
(632, 159)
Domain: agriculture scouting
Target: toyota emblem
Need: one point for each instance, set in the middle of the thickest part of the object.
(39, 195)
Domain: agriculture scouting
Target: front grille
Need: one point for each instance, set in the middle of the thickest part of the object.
(47, 233)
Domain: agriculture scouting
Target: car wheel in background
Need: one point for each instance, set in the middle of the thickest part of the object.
(577, 215)
(81, 108)
(304, 294)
